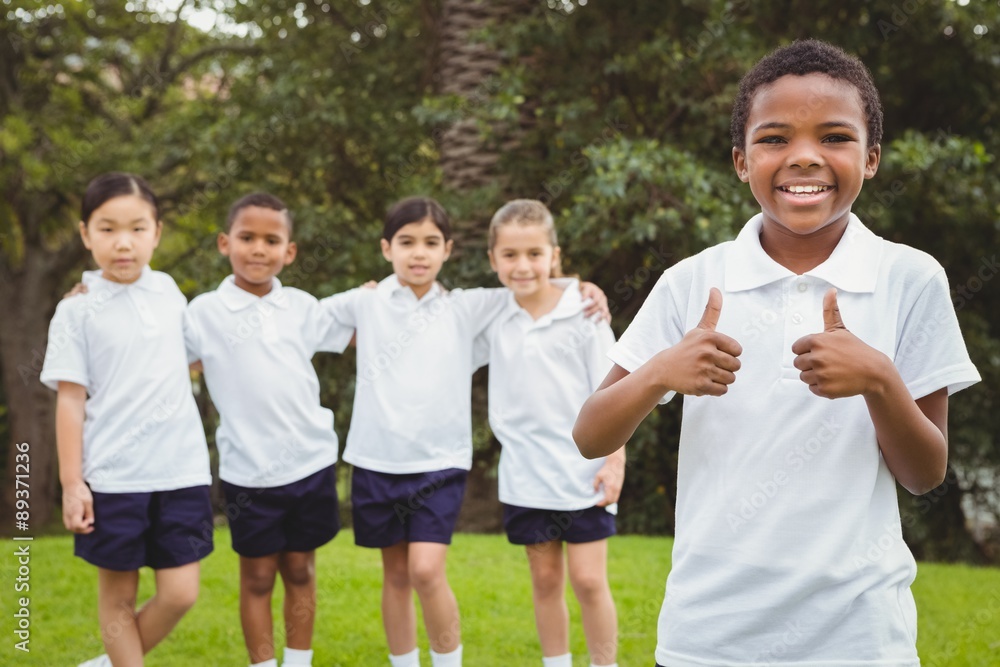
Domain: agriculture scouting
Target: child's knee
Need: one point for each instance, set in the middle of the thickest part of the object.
(257, 583)
(298, 575)
(589, 585)
(427, 575)
(179, 598)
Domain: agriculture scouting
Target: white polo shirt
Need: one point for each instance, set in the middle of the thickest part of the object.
(788, 546)
(412, 403)
(125, 344)
(541, 373)
(257, 353)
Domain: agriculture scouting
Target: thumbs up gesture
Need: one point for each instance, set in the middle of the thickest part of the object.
(704, 361)
(836, 363)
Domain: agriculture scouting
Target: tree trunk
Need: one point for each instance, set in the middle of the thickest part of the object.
(467, 68)
(28, 298)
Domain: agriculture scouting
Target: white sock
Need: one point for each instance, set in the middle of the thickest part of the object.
(411, 659)
(612, 665)
(565, 660)
(298, 656)
(453, 659)
(273, 662)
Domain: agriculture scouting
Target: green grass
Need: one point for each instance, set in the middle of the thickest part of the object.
(959, 607)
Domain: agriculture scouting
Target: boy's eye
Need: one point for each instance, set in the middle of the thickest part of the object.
(771, 139)
(836, 138)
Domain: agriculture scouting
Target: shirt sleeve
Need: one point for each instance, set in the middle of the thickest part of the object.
(343, 307)
(66, 353)
(482, 305)
(192, 335)
(931, 352)
(328, 332)
(599, 344)
(657, 326)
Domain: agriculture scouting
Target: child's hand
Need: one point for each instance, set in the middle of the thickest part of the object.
(78, 508)
(704, 361)
(612, 476)
(836, 363)
(78, 288)
(595, 302)
(371, 284)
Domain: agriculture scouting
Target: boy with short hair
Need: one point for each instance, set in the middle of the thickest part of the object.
(788, 546)
(277, 446)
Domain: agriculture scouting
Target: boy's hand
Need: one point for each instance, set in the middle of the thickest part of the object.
(836, 363)
(598, 302)
(78, 508)
(704, 361)
(612, 476)
(78, 288)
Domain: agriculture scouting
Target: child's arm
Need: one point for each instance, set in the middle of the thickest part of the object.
(78, 503)
(912, 434)
(703, 362)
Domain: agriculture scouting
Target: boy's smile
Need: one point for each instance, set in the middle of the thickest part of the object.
(805, 159)
(258, 247)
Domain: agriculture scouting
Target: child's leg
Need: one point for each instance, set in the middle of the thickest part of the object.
(548, 590)
(176, 593)
(399, 616)
(116, 593)
(298, 573)
(256, 585)
(588, 573)
(427, 576)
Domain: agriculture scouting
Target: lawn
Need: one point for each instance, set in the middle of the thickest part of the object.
(959, 607)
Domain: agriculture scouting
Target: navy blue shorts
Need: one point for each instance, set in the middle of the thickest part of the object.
(299, 516)
(159, 529)
(416, 507)
(525, 525)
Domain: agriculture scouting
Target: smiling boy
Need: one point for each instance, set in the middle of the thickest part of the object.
(788, 547)
(277, 447)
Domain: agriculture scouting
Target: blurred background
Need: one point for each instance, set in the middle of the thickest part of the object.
(616, 114)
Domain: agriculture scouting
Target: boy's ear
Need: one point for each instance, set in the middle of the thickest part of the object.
(84, 234)
(223, 242)
(159, 233)
(448, 246)
(386, 250)
(291, 252)
(555, 258)
(740, 164)
(493, 262)
(871, 164)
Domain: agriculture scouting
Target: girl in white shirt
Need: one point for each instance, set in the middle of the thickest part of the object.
(133, 462)
(546, 358)
(410, 439)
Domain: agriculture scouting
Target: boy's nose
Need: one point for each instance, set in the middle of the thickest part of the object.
(804, 154)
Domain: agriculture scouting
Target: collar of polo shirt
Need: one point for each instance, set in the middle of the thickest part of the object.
(236, 298)
(852, 267)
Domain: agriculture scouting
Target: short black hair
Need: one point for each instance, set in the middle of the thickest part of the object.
(415, 209)
(115, 184)
(807, 56)
(262, 200)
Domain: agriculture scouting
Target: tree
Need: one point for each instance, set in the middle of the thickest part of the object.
(85, 89)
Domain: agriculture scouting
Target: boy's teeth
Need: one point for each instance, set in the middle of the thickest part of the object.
(807, 189)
